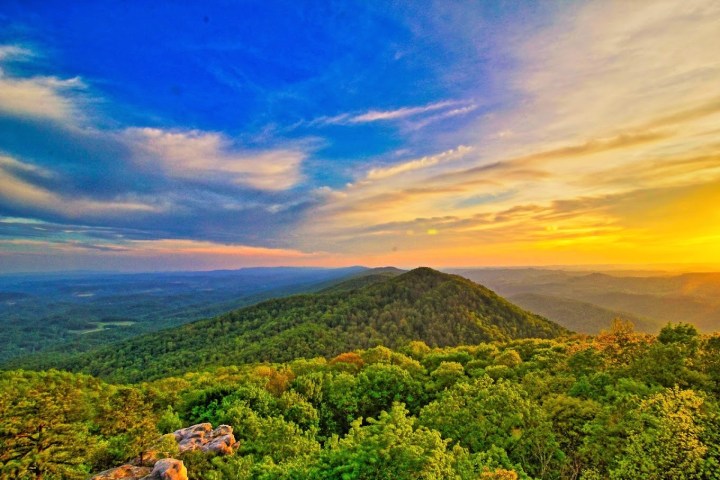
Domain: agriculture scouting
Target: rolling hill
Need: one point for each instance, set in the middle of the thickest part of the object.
(579, 316)
(580, 299)
(423, 304)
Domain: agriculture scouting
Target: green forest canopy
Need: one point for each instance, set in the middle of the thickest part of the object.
(620, 405)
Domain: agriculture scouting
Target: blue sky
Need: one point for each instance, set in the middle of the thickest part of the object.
(200, 135)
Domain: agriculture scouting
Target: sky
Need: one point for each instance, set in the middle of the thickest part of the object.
(200, 135)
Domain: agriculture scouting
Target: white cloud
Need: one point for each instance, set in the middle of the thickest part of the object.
(39, 96)
(194, 154)
(43, 97)
(610, 66)
(381, 115)
(419, 163)
(444, 115)
(449, 108)
(10, 51)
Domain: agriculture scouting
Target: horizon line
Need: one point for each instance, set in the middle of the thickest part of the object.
(670, 268)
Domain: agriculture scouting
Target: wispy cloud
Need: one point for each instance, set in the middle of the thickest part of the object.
(160, 183)
(419, 114)
(419, 163)
(211, 156)
(17, 191)
(42, 97)
(443, 116)
(144, 255)
(618, 103)
(46, 97)
(11, 164)
(382, 115)
(14, 51)
(596, 140)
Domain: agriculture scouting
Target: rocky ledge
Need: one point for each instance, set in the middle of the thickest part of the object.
(197, 437)
(164, 469)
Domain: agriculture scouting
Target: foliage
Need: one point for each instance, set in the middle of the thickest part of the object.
(577, 408)
(423, 304)
(387, 448)
(60, 425)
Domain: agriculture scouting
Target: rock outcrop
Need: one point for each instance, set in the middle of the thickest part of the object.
(168, 469)
(197, 437)
(126, 472)
(202, 437)
(164, 469)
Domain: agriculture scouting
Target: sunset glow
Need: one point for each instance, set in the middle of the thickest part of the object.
(463, 134)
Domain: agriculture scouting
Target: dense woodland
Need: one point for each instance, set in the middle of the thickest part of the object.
(473, 388)
(619, 405)
(424, 304)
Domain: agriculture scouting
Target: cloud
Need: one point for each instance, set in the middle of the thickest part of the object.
(46, 97)
(54, 249)
(616, 102)
(545, 158)
(594, 229)
(195, 154)
(13, 51)
(416, 116)
(443, 116)
(609, 66)
(382, 115)
(198, 247)
(597, 136)
(121, 179)
(17, 191)
(11, 164)
(420, 163)
(42, 97)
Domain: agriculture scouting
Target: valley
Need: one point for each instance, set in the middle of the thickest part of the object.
(61, 313)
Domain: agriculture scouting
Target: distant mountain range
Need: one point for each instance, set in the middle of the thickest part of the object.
(587, 301)
(383, 307)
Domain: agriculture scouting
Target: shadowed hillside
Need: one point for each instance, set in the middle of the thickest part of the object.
(579, 316)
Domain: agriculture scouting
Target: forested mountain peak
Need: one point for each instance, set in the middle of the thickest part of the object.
(425, 278)
(363, 279)
(423, 304)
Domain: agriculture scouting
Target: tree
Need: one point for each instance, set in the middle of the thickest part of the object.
(569, 417)
(128, 425)
(509, 358)
(483, 414)
(348, 362)
(620, 344)
(390, 447)
(682, 333)
(272, 437)
(666, 442)
(45, 424)
(380, 385)
(447, 374)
